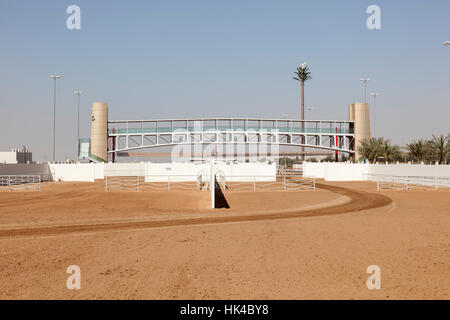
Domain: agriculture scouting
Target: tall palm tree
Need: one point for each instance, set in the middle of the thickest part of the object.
(417, 150)
(371, 149)
(390, 152)
(302, 74)
(375, 148)
(438, 148)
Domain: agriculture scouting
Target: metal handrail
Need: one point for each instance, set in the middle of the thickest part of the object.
(20, 182)
(398, 182)
(235, 182)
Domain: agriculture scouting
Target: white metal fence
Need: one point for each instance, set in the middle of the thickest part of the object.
(20, 182)
(391, 182)
(261, 183)
(201, 182)
(157, 182)
(298, 170)
(122, 183)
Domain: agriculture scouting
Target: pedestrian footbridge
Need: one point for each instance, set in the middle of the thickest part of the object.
(127, 135)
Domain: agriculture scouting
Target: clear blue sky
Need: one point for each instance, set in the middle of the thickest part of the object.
(172, 59)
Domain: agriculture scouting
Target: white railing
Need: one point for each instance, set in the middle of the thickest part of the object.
(200, 182)
(155, 182)
(282, 170)
(264, 183)
(20, 182)
(408, 182)
(294, 171)
(172, 182)
(122, 183)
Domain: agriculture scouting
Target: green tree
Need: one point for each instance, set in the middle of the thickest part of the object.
(374, 148)
(438, 149)
(286, 162)
(448, 149)
(390, 152)
(417, 150)
(371, 149)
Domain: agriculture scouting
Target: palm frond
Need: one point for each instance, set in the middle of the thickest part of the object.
(302, 74)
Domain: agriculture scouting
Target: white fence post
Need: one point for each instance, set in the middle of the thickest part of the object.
(254, 183)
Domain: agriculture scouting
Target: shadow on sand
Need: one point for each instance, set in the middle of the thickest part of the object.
(220, 200)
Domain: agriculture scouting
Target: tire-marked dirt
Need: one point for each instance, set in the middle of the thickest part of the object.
(360, 200)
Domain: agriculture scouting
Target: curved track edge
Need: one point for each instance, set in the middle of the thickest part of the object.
(359, 201)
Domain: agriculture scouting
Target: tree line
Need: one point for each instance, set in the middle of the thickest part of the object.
(436, 149)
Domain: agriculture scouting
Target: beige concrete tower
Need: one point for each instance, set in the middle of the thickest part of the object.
(359, 113)
(99, 131)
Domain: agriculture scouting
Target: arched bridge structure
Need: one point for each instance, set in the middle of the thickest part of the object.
(133, 135)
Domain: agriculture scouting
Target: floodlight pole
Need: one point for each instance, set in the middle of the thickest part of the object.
(78, 129)
(54, 114)
(374, 95)
(364, 81)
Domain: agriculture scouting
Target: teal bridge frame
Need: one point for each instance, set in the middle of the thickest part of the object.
(127, 135)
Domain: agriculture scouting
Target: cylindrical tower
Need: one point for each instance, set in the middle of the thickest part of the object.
(99, 131)
(359, 113)
(351, 112)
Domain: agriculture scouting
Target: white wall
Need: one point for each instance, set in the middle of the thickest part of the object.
(332, 171)
(161, 171)
(72, 171)
(335, 171)
(244, 171)
(124, 169)
(410, 170)
(314, 170)
(345, 171)
(190, 171)
(99, 170)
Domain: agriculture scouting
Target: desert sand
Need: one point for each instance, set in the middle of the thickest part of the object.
(268, 245)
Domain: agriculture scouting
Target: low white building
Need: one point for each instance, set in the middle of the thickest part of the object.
(21, 155)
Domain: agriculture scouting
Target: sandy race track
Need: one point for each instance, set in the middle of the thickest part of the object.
(275, 245)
